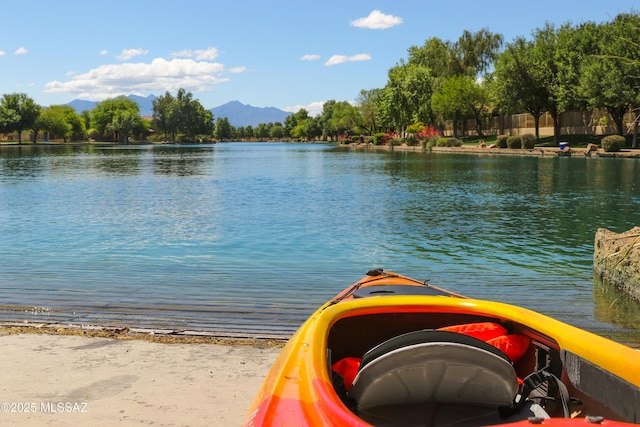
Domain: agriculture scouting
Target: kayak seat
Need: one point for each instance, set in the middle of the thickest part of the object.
(433, 378)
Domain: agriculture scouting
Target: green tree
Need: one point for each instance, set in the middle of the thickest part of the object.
(85, 116)
(458, 98)
(608, 82)
(295, 121)
(474, 53)
(345, 119)
(262, 130)
(471, 54)
(123, 124)
(18, 112)
(77, 123)
(62, 121)
(436, 55)
(182, 115)
(517, 84)
(325, 117)
(118, 116)
(222, 129)
(368, 102)
(276, 131)
(54, 122)
(407, 95)
(557, 56)
(164, 116)
(194, 121)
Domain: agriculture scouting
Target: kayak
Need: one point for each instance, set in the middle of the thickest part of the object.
(390, 350)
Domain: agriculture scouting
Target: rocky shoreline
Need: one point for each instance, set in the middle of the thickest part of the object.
(538, 151)
(616, 259)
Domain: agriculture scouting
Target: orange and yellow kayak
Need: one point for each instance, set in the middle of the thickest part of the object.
(394, 351)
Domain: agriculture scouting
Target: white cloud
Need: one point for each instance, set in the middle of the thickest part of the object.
(313, 108)
(130, 53)
(21, 51)
(340, 59)
(207, 54)
(160, 75)
(377, 21)
(310, 57)
(103, 52)
(2, 53)
(237, 70)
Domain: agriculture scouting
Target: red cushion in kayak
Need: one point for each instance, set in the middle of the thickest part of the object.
(513, 345)
(347, 368)
(483, 331)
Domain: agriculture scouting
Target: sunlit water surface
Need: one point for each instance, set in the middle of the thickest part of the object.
(252, 238)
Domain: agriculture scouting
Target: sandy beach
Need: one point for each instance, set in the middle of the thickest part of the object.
(60, 380)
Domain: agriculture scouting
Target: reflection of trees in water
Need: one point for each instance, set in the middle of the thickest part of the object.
(179, 162)
(34, 161)
(125, 162)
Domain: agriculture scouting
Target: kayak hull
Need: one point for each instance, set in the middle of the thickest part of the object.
(300, 387)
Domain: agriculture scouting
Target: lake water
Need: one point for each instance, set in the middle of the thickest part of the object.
(252, 238)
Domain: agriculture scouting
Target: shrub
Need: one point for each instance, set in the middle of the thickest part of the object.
(380, 138)
(356, 139)
(501, 141)
(412, 142)
(448, 142)
(613, 143)
(529, 141)
(514, 141)
(428, 144)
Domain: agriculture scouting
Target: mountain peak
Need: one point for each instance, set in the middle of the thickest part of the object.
(144, 102)
(240, 114)
(236, 112)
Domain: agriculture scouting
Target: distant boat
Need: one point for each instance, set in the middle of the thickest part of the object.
(394, 351)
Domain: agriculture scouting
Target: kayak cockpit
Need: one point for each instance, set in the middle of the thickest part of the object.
(394, 351)
(446, 368)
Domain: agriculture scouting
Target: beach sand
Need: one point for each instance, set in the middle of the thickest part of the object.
(61, 380)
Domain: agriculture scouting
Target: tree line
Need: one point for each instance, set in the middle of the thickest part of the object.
(562, 68)
(179, 118)
(558, 69)
(115, 119)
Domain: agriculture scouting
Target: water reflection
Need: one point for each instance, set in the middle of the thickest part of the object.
(179, 161)
(615, 307)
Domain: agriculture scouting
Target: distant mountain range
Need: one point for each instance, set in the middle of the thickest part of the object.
(237, 113)
(240, 114)
(145, 104)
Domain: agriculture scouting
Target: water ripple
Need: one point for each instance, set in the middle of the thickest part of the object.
(253, 237)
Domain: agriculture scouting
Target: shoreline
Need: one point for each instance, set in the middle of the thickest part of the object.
(464, 149)
(537, 151)
(159, 336)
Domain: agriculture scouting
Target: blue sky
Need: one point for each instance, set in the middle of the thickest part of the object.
(278, 53)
